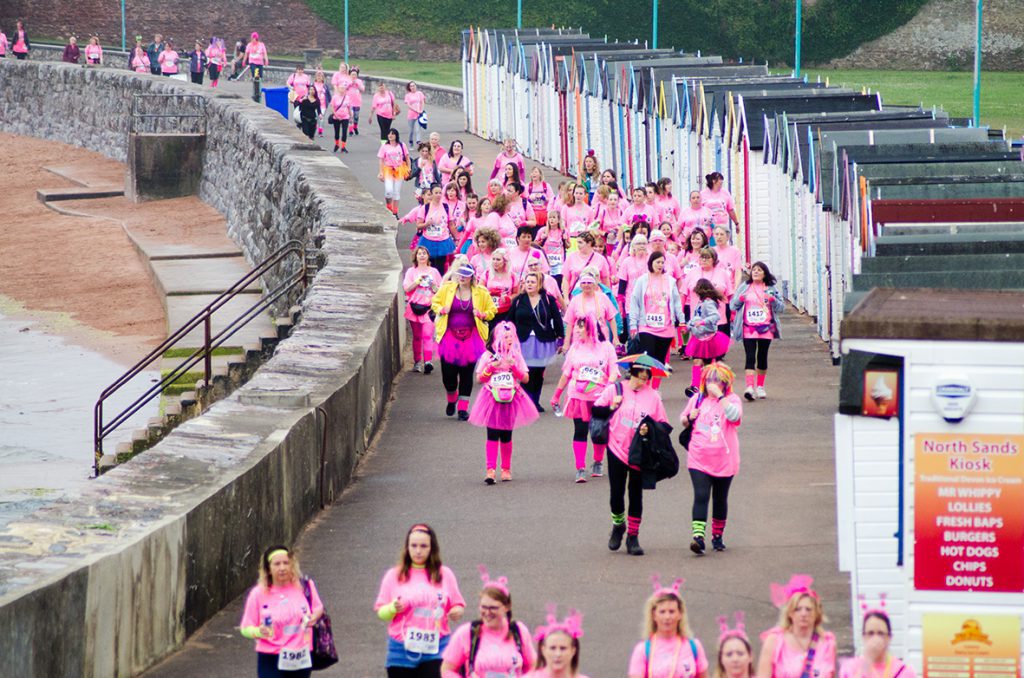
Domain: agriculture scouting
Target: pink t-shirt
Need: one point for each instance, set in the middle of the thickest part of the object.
(286, 606)
(540, 195)
(658, 319)
(256, 53)
(599, 306)
(355, 92)
(415, 101)
(500, 286)
(631, 269)
(789, 662)
(857, 667)
(518, 260)
(496, 654)
(447, 165)
(690, 218)
(668, 207)
(731, 258)
(168, 61)
(577, 218)
(626, 418)
(3, 43)
(649, 213)
(215, 55)
(521, 212)
(717, 276)
(140, 62)
(576, 261)
(757, 312)
(436, 218)
(340, 108)
(544, 673)
(481, 263)
(554, 248)
(590, 367)
(428, 604)
(341, 80)
(384, 105)
(610, 218)
(719, 202)
(393, 155)
(93, 53)
(299, 82)
(505, 226)
(423, 293)
(715, 446)
(669, 659)
(502, 160)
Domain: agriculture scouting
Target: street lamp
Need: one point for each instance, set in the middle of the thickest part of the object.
(654, 24)
(346, 31)
(122, 27)
(796, 39)
(977, 66)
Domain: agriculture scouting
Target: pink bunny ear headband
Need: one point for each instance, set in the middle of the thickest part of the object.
(740, 631)
(501, 583)
(866, 609)
(571, 625)
(798, 583)
(660, 590)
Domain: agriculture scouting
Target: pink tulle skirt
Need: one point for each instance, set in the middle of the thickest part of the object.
(715, 346)
(461, 352)
(509, 416)
(578, 409)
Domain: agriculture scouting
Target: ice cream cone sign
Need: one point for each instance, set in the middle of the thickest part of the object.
(881, 393)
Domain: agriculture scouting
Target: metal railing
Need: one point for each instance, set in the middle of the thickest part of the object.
(211, 341)
(148, 110)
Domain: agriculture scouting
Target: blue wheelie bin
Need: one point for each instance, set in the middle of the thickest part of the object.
(276, 98)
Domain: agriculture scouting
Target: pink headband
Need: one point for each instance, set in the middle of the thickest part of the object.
(878, 609)
(572, 625)
(500, 584)
(725, 633)
(660, 590)
(798, 584)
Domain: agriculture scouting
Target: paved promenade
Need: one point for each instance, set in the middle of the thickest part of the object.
(548, 535)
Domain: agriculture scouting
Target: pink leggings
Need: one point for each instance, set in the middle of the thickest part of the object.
(422, 341)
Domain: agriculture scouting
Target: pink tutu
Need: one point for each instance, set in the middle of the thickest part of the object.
(715, 346)
(508, 416)
(576, 408)
(461, 352)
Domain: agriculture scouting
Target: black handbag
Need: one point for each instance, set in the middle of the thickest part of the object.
(599, 417)
(687, 433)
(324, 652)
(419, 309)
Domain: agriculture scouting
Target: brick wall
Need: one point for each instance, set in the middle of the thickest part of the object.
(285, 25)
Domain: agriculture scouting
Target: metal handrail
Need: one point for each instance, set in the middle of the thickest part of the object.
(210, 341)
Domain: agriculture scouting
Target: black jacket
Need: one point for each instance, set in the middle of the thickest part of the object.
(545, 321)
(653, 453)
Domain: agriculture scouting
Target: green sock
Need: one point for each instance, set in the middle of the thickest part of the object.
(618, 519)
(699, 527)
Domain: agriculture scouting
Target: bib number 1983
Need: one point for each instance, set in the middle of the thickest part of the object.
(294, 660)
(422, 641)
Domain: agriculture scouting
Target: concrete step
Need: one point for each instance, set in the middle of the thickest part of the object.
(179, 277)
(964, 243)
(45, 195)
(182, 308)
(956, 228)
(947, 263)
(974, 280)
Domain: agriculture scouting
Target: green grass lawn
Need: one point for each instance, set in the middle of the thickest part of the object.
(439, 73)
(1002, 104)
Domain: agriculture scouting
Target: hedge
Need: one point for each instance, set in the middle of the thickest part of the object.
(756, 30)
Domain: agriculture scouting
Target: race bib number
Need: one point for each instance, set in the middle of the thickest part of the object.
(689, 266)
(654, 320)
(496, 300)
(508, 243)
(555, 258)
(436, 231)
(503, 380)
(756, 315)
(422, 641)
(591, 374)
(294, 660)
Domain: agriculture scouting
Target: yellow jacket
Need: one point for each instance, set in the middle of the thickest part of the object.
(443, 302)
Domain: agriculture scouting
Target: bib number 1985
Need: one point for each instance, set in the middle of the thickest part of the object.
(294, 660)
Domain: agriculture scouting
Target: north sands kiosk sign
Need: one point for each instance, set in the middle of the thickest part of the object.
(969, 512)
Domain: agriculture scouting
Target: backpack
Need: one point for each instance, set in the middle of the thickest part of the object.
(474, 642)
(647, 655)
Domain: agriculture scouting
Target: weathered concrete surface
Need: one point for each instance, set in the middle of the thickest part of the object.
(164, 165)
(108, 583)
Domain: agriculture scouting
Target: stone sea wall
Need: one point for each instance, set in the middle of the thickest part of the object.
(108, 583)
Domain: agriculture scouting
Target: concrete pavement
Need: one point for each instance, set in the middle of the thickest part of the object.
(547, 534)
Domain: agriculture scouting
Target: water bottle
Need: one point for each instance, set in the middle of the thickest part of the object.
(267, 620)
(558, 410)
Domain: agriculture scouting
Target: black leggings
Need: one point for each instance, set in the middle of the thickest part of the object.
(501, 435)
(704, 487)
(580, 430)
(340, 129)
(308, 127)
(457, 378)
(431, 669)
(758, 348)
(197, 78)
(656, 347)
(535, 384)
(385, 127)
(619, 477)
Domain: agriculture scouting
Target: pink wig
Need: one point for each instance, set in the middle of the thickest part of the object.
(514, 353)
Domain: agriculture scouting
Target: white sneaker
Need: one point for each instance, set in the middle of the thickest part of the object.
(761, 393)
(418, 366)
(749, 393)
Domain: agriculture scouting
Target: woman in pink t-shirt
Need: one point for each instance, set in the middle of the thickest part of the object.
(501, 220)
(508, 154)
(694, 215)
(669, 649)
(168, 60)
(500, 283)
(139, 60)
(627, 405)
(586, 254)
(420, 283)
(256, 56)
(355, 90)
(874, 661)
(419, 598)
(558, 647)
(495, 645)
(719, 200)
(485, 242)
(798, 639)
(452, 159)
(540, 194)
(756, 307)
(415, 103)
(385, 108)
(93, 52)
(713, 455)
(279, 614)
(630, 269)
(640, 209)
(216, 60)
(577, 215)
(666, 202)
(554, 241)
(588, 368)
(655, 310)
(340, 113)
(394, 169)
(21, 46)
(729, 256)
